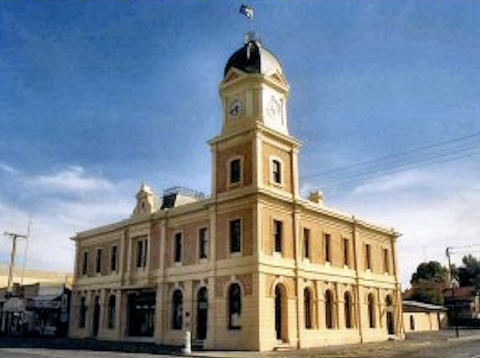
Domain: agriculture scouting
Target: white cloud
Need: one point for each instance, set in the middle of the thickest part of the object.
(8, 169)
(57, 215)
(392, 182)
(432, 207)
(73, 179)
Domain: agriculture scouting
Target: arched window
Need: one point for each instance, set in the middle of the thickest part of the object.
(371, 310)
(234, 306)
(82, 313)
(329, 310)
(390, 315)
(177, 310)
(348, 310)
(111, 311)
(307, 299)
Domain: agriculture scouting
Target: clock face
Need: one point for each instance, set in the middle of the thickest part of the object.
(236, 108)
(274, 109)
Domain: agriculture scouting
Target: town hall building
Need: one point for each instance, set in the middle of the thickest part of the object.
(253, 266)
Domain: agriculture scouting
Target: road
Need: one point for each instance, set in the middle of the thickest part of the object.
(403, 349)
(53, 353)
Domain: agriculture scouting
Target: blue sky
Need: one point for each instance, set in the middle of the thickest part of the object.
(97, 96)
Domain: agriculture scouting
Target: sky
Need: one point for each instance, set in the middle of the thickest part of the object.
(99, 96)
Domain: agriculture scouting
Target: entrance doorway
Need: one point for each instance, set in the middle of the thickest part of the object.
(390, 319)
(141, 314)
(96, 317)
(202, 313)
(280, 312)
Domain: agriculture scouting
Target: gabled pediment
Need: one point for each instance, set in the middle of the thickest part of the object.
(278, 77)
(232, 75)
(147, 201)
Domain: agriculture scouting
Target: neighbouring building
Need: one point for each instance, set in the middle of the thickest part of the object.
(32, 276)
(420, 317)
(40, 309)
(254, 266)
(464, 305)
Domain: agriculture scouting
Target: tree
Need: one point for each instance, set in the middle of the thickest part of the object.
(430, 272)
(469, 273)
(427, 296)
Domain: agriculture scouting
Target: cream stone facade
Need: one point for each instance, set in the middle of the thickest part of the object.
(252, 267)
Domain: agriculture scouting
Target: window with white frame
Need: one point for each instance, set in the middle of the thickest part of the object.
(235, 171)
(235, 235)
(142, 252)
(85, 263)
(203, 243)
(276, 168)
(113, 258)
(178, 247)
(234, 306)
(98, 266)
(177, 310)
(278, 235)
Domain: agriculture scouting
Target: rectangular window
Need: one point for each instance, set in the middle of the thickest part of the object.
(346, 252)
(98, 267)
(142, 252)
(235, 236)
(368, 257)
(113, 258)
(203, 243)
(139, 253)
(85, 263)
(177, 250)
(276, 171)
(235, 171)
(327, 247)
(277, 232)
(306, 243)
(386, 261)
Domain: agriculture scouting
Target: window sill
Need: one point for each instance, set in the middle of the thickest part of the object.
(177, 264)
(275, 184)
(203, 261)
(234, 185)
(277, 254)
(235, 254)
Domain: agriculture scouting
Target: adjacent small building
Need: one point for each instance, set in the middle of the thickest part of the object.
(421, 317)
(254, 266)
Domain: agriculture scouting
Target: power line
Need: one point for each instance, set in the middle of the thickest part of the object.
(359, 177)
(389, 157)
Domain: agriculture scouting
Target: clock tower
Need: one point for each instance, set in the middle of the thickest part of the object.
(254, 150)
(254, 90)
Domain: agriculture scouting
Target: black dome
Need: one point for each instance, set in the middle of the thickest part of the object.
(254, 58)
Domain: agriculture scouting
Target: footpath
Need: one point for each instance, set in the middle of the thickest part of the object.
(414, 342)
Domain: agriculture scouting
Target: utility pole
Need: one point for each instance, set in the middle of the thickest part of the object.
(14, 237)
(454, 301)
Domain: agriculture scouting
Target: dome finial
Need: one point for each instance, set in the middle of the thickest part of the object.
(251, 36)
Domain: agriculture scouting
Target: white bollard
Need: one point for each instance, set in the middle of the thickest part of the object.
(188, 343)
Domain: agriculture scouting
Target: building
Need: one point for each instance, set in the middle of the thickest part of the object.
(252, 267)
(40, 309)
(32, 276)
(464, 306)
(420, 317)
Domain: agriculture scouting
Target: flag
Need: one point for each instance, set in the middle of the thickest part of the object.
(247, 11)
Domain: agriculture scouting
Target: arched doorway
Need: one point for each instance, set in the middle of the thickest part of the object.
(390, 316)
(96, 317)
(281, 313)
(202, 313)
